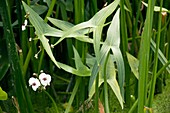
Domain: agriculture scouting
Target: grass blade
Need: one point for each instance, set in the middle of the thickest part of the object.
(144, 56)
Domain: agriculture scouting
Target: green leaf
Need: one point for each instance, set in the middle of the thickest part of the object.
(112, 42)
(134, 64)
(97, 20)
(40, 27)
(111, 80)
(79, 64)
(42, 30)
(3, 95)
(64, 25)
(97, 65)
(72, 70)
(120, 67)
(35, 20)
(47, 47)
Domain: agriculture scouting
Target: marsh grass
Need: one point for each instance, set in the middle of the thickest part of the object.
(110, 56)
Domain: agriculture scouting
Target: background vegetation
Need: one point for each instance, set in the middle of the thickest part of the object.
(104, 56)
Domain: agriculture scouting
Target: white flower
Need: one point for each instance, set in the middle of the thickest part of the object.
(45, 79)
(34, 82)
(24, 25)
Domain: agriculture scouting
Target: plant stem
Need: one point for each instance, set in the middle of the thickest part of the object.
(73, 94)
(97, 94)
(152, 90)
(50, 10)
(134, 106)
(105, 86)
(55, 106)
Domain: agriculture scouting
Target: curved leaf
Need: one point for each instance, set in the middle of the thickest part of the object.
(3, 95)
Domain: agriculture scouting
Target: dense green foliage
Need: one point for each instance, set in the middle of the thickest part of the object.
(102, 56)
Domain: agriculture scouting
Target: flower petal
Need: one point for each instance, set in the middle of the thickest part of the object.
(34, 82)
(45, 79)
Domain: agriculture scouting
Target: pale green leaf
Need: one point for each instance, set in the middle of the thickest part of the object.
(134, 64)
(64, 25)
(113, 40)
(97, 20)
(36, 20)
(95, 69)
(79, 64)
(113, 33)
(156, 8)
(120, 67)
(161, 56)
(111, 79)
(73, 70)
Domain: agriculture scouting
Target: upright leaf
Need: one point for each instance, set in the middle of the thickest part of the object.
(144, 54)
(134, 64)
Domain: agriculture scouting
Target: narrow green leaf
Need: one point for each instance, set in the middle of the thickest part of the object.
(64, 25)
(120, 66)
(113, 33)
(35, 19)
(47, 47)
(161, 56)
(111, 79)
(79, 64)
(144, 54)
(134, 64)
(73, 70)
(3, 95)
(97, 33)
